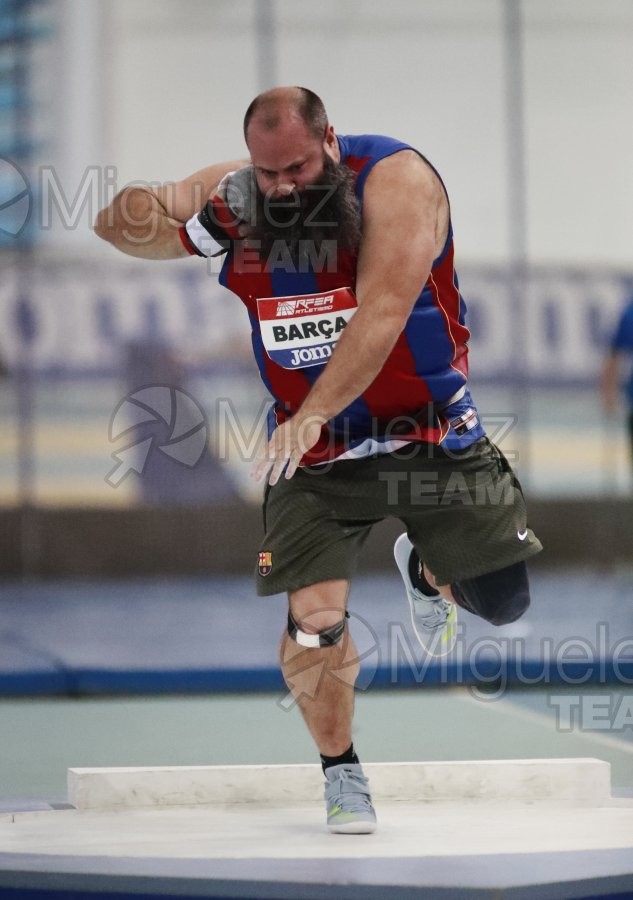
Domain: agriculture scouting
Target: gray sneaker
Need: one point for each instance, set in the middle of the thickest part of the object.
(434, 619)
(349, 809)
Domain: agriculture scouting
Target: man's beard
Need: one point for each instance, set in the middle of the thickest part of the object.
(299, 225)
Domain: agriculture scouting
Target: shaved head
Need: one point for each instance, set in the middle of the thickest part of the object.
(272, 108)
(305, 200)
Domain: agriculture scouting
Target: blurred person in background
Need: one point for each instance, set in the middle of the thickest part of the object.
(619, 355)
(341, 249)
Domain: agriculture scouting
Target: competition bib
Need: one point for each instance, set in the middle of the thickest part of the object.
(302, 331)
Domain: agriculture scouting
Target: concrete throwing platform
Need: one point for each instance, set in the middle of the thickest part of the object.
(577, 782)
(508, 828)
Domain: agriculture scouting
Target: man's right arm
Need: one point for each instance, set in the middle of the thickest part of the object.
(144, 221)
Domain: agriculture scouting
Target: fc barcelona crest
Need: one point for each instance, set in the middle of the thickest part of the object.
(265, 563)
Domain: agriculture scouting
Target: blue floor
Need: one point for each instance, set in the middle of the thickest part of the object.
(190, 635)
(549, 876)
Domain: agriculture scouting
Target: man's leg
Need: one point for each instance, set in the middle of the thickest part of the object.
(499, 597)
(478, 521)
(321, 679)
(320, 666)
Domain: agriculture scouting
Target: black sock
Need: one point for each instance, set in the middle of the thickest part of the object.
(416, 574)
(348, 757)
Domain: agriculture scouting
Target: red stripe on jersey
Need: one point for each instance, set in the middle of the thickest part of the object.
(344, 275)
(461, 361)
(442, 284)
(328, 448)
(288, 387)
(247, 277)
(356, 163)
(397, 389)
(189, 245)
(225, 217)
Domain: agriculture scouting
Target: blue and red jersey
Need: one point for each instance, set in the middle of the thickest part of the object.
(410, 398)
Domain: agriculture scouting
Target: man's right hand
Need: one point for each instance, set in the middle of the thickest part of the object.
(225, 217)
(145, 221)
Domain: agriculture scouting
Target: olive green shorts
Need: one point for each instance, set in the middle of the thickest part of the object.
(464, 511)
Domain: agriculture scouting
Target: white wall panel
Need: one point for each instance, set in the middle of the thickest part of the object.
(180, 73)
(579, 92)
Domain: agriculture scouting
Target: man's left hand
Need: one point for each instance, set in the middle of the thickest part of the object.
(286, 447)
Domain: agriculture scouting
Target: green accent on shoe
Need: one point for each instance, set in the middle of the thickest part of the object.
(434, 619)
(349, 808)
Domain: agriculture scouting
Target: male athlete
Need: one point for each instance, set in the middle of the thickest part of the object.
(341, 248)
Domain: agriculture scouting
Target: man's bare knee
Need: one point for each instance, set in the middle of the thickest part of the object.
(319, 607)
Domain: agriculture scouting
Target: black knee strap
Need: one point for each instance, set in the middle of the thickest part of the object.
(326, 638)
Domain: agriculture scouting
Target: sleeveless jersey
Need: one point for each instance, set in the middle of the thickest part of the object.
(420, 394)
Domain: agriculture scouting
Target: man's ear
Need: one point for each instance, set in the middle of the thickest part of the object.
(329, 141)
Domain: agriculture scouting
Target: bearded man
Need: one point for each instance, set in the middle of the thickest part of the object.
(341, 248)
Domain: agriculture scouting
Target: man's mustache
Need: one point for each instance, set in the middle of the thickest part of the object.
(290, 209)
(320, 213)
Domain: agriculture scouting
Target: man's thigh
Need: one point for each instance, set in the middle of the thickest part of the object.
(307, 540)
(465, 513)
(474, 520)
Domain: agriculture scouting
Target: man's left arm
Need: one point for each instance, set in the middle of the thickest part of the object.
(400, 239)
